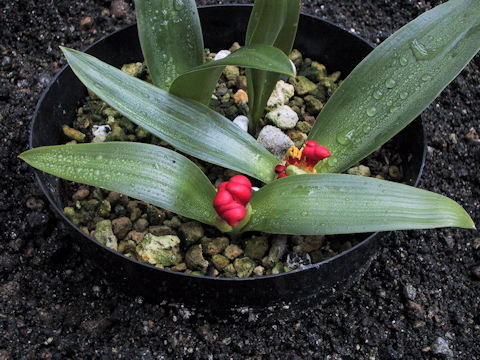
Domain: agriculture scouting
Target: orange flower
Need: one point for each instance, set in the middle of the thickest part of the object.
(306, 158)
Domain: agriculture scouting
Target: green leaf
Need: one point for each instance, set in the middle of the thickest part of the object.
(396, 82)
(272, 22)
(341, 204)
(171, 38)
(198, 83)
(146, 172)
(185, 124)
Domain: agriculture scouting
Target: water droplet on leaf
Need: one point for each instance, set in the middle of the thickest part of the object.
(390, 83)
(371, 111)
(346, 138)
(378, 94)
(419, 50)
(331, 161)
(426, 77)
(403, 61)
(179, 5)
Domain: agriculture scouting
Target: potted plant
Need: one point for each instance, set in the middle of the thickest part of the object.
(373, 109)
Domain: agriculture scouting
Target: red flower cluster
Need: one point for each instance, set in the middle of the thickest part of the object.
(231, 198)
(305, 159)
(280, 170)
(313, 153)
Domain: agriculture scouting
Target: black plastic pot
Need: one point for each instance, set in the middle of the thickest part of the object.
(222, 25)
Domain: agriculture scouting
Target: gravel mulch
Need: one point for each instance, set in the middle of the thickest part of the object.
(419, 299)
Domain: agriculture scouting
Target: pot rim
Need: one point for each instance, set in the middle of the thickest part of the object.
(177, 273)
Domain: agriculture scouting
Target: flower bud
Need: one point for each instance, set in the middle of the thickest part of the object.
(240, 179)
(314, 152)
(234, 214)
(222, 185)
(240, 192)
(222, 198)
(231, 198)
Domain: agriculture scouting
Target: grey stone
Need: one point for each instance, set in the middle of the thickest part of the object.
(278, 248)
(256, 247)
(283, 117)
(244, 267)
(121, 226)
(275, 141)
(162, 250)
(281, 94)
(195, 260)
(441, 347)
(409, 292)
(360, 170)
(233, 251)
(191, 232)
(103, 233)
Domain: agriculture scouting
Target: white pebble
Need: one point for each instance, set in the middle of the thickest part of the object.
(101, 130)
(221, 54)
(242, 122)
(280, 95)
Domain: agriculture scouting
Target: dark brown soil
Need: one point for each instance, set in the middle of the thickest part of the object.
(419, 300)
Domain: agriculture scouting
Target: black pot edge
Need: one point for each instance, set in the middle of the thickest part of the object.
(77, 230)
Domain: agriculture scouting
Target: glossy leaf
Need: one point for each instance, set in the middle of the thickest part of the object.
(396, 82)
(146, 172)
(341, 204)
(272, 22)
(171, 38)
(199, 83)
(185, 124)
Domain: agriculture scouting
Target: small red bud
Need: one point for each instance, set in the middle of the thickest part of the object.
(321, 152)
(225, 207)
(240, 192)
(314, 153)
(222, 198)
(234, 215)
(280, 168)
(309, 149)
(231, 198)
(222, 186)
(240, 179)
(281, 175)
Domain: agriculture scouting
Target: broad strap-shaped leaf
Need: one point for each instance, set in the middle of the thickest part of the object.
(171, 38)
(341, 204)
(198, 83)
(146, 172)
(272, 22)
(185, 124)
(396, 82)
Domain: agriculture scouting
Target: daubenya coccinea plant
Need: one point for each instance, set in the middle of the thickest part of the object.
(303, 194)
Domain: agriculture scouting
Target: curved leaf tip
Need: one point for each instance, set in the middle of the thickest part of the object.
(159, 176)
(317, 204)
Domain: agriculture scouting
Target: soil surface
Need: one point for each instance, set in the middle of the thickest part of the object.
(419, 300)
